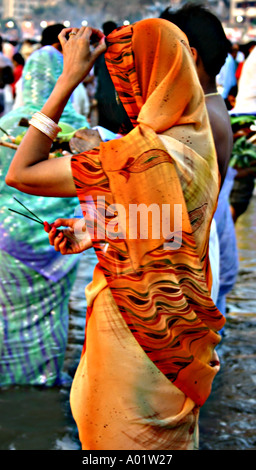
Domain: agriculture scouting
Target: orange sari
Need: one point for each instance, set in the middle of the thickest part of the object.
(151, 324)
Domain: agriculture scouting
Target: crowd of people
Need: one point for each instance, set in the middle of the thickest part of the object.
(149, 107)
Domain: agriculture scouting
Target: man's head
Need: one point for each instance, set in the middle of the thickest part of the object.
(108, 27)
(50, 35)
(204, 32)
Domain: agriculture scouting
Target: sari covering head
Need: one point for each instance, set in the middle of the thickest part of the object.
(154, 271)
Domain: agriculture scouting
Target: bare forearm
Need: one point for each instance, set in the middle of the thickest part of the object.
(35, 146)
(58, 99)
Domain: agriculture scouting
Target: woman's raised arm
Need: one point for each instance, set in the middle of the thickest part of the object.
(31, 171)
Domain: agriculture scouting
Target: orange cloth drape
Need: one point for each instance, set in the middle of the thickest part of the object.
(161, 292)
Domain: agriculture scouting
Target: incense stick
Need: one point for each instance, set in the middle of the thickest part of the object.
(38, 220)
(32, 213)
(27, 216)
(4, 131)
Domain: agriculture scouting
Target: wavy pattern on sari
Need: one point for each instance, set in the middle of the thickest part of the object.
(164, 299)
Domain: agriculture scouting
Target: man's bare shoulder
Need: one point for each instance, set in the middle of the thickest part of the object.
(218, 113)
(221, 129)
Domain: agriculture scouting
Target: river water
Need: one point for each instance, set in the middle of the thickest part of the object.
(34, 418)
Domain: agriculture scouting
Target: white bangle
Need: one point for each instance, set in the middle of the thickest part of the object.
(45, 125)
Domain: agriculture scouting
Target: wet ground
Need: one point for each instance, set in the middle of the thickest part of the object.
(228, 419)
(40, 419)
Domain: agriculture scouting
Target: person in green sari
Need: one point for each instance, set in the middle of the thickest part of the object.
(35, 281)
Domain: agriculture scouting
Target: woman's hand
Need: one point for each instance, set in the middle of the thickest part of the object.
(79, 56)
(73, 240)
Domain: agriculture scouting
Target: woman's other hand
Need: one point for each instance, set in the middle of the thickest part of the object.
(75, 239)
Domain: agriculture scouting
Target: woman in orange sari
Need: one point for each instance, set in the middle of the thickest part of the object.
(148, 360)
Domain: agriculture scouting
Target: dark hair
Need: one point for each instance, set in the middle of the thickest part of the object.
(246, 48)
(50, 34)
(18, 58)
(204, 32)
(108, 27)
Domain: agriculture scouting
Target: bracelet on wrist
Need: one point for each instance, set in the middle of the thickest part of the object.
(45, 125)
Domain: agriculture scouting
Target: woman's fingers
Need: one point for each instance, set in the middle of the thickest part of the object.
(63, 36)
(92, 35)
(57, 239)
(60, 243)
(81, 31)
(47, 227)
(64, 222)
(52, 235)
(63, 247)
(74, 239)
(99, 49)
(98, 38)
